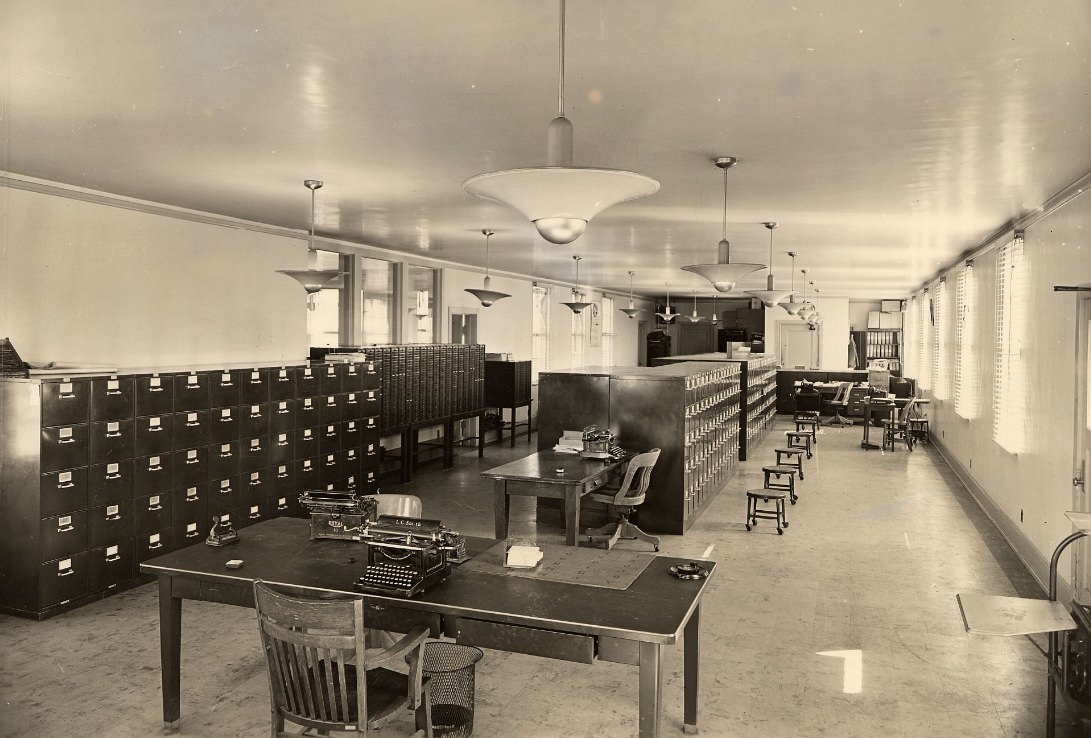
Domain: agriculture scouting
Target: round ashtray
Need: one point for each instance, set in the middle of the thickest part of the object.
(692, 570)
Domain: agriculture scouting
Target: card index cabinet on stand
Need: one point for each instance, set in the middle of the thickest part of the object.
(101, 472)
(759, 400)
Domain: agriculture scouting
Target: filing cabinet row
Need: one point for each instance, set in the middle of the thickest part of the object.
(100, 473)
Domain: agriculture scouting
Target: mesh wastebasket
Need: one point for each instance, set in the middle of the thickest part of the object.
(450, 670)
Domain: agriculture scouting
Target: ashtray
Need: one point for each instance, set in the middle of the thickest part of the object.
(692, 570)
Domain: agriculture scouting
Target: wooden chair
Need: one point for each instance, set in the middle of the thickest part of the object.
(630, 493)
(315, 651)
(897, 428)
(839, 402)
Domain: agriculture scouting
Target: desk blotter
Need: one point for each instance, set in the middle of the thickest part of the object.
(587, 566)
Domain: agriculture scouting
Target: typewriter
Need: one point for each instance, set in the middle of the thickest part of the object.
(339, 515)
(406, 556)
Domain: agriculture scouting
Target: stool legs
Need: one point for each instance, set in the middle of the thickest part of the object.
(798, 463)
(753, 512)
(789, 486)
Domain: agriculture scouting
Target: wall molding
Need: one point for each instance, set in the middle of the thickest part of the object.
(1035, 562)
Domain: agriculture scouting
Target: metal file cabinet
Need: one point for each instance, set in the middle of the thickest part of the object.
(99, 473)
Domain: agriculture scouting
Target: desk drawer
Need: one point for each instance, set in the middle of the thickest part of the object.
(401, 620)
(517, 639)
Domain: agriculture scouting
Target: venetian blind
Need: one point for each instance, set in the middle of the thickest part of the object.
(966, 379)
(1009, 371)
(539, 351)
(608, 331)
(941, 345)
(924, 335)
(912, 348)
(579, 341)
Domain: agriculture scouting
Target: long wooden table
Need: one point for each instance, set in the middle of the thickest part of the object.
(537, 475)
(574, 622)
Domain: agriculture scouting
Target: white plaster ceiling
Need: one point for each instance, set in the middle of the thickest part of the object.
(885, 137)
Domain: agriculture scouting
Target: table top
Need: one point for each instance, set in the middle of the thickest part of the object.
(654, 608)
(542, 467)
(1011, 616)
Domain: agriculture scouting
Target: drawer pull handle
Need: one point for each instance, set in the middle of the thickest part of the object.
(66, 485)
(192, 424)
(255, 515)
(153, 508)
(155, 468)
(112, 559)
(155, 429)
(195, 498)
(225, 455)
(115, 434)
(282, 443)
(193, 461)
(66, 440)
(115, 475)
(66, 572)
(254, 482)
(113, 517)
(113, 392)
(227, 420)
(256, 449)
(154, 546)
(193, 534)
(155, 389)
(66, 529)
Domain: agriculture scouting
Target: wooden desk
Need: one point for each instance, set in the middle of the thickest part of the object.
(876, 410)
(536, 476)
(517, 614)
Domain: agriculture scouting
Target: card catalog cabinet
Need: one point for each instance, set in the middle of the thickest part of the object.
(100, 473)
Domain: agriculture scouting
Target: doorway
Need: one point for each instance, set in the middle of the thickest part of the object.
(798, 346)
(1081, 448)
(463, 327)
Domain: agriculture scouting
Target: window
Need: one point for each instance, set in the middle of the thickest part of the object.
(539, 351)
(608, 331)
(324, 306)
(579, 340)
(1009, 368)
(376, 301)
(912, 347)
(924, 334)
(420, 325)
(966, 384)
(941, 343)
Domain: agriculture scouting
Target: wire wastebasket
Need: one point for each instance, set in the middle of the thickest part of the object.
(450, 670)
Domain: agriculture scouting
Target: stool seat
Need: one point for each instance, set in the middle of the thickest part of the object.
(791, 457)
(780, 469)
(767, 494)
(800, 439)
(790, 451)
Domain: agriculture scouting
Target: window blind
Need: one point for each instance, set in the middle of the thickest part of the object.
(966, 379)
(1009, 371)
(941, 344)
(912, 348)
(608, 331)
(924, 334)
(539, 351)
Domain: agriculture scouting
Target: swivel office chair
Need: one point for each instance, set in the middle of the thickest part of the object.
(839, 402)
(631, 493)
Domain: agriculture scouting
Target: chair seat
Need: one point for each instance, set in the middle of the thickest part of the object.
(767, 494)
(795, 451)
(608, 498)
(386, 689)
(780, 469)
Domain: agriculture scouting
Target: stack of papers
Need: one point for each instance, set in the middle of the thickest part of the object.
(523, 557)
(571, 442)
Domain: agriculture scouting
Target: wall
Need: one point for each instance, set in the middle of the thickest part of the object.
(1027, 493)
(85, 282)
(858, 310)
(503, 328)
(833, 333)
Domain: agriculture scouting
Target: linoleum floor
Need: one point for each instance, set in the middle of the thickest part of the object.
(878, 546)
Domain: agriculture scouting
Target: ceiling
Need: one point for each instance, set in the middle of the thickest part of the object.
(886, 138)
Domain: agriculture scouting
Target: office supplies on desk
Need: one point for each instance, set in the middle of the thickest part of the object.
(338, 515)
(523, 557)
(571, 442)
(405, 556)
(692, 570)
(597, 443)
(222, 533)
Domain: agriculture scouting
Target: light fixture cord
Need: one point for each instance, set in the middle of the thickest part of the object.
(487, 236)
(310, 242)
(770, 252)
(560, 65)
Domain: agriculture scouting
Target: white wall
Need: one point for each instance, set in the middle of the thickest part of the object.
(81, 281)
(1031, 490)
(503, 328)
(833, 333)
(858, 310)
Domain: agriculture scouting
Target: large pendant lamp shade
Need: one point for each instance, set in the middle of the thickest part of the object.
(560, 198)
(724, 274)
(631, 311)
(770, 296)
(790, 305)
(312, 278)
(667, 315)
(486, 295)
(577, 305)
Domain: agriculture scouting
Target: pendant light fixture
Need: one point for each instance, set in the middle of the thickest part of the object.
(694, 317)
(576, 305)
(485, 295)
(667, 316)
(807, 308)
(631, 311)
(770, 296)
(312, 278)
(790, 305)
(814, 316)
(724, 274)
(560, 198)
(715, 317)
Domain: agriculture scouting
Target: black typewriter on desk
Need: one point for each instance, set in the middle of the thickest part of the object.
(406, 556)
(338, 515)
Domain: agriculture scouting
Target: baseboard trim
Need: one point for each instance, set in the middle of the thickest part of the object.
(1037, 564)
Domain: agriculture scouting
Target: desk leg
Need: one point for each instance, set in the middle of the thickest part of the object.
(571, 514)
(514, 430)
(651, 690)
(501, 508)
(481, 435)
(170, 653)
(449, 444)
(407, 456)
(692, 669)
(530, 414)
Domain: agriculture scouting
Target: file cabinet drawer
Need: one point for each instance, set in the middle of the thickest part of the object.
(368, 483)
(224, 495)
(112, 398)
(152, 475)
(191, 429)
(191, 392)
(281, 448)
(254, 454)
(192, 501)
(351, 462)
(64, 447)
(63, 580)
(282, 416)
(253, 386)
(371, 404)
(223, 389)
(306, 382)
(371, 456)
(187, 532)
(370, 433)
(111, 482)
(307, 443)
(329, 378)
(63, 492)
(111, 565)
(281, 384)
(253, 513)
(111, 440)
(282, 479)
(352, 405)
(255, 420)
(370, 378)
(223, 460)
(254, 486)
(154, 435)
(154, 395)
(285, 506)
(111, 523)
(330, 472)
(307, 413)
(150, 545)
(151, 513)
(224, 425)
(190, 466)
(352, 377)
(329, 439)
(352, 433)
(64, 535)
(329, 409)
(307, 474)
(65, 403)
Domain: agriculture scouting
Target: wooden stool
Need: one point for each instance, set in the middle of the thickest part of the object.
(773, 480)
(808, 425)
(801, 440)
(753, 512)
(795, 459)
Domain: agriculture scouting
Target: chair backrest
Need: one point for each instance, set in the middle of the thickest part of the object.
(307, 645)
(637, 477)
(406, 506)
(842, 392)
(907, 411)
(808, 401)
